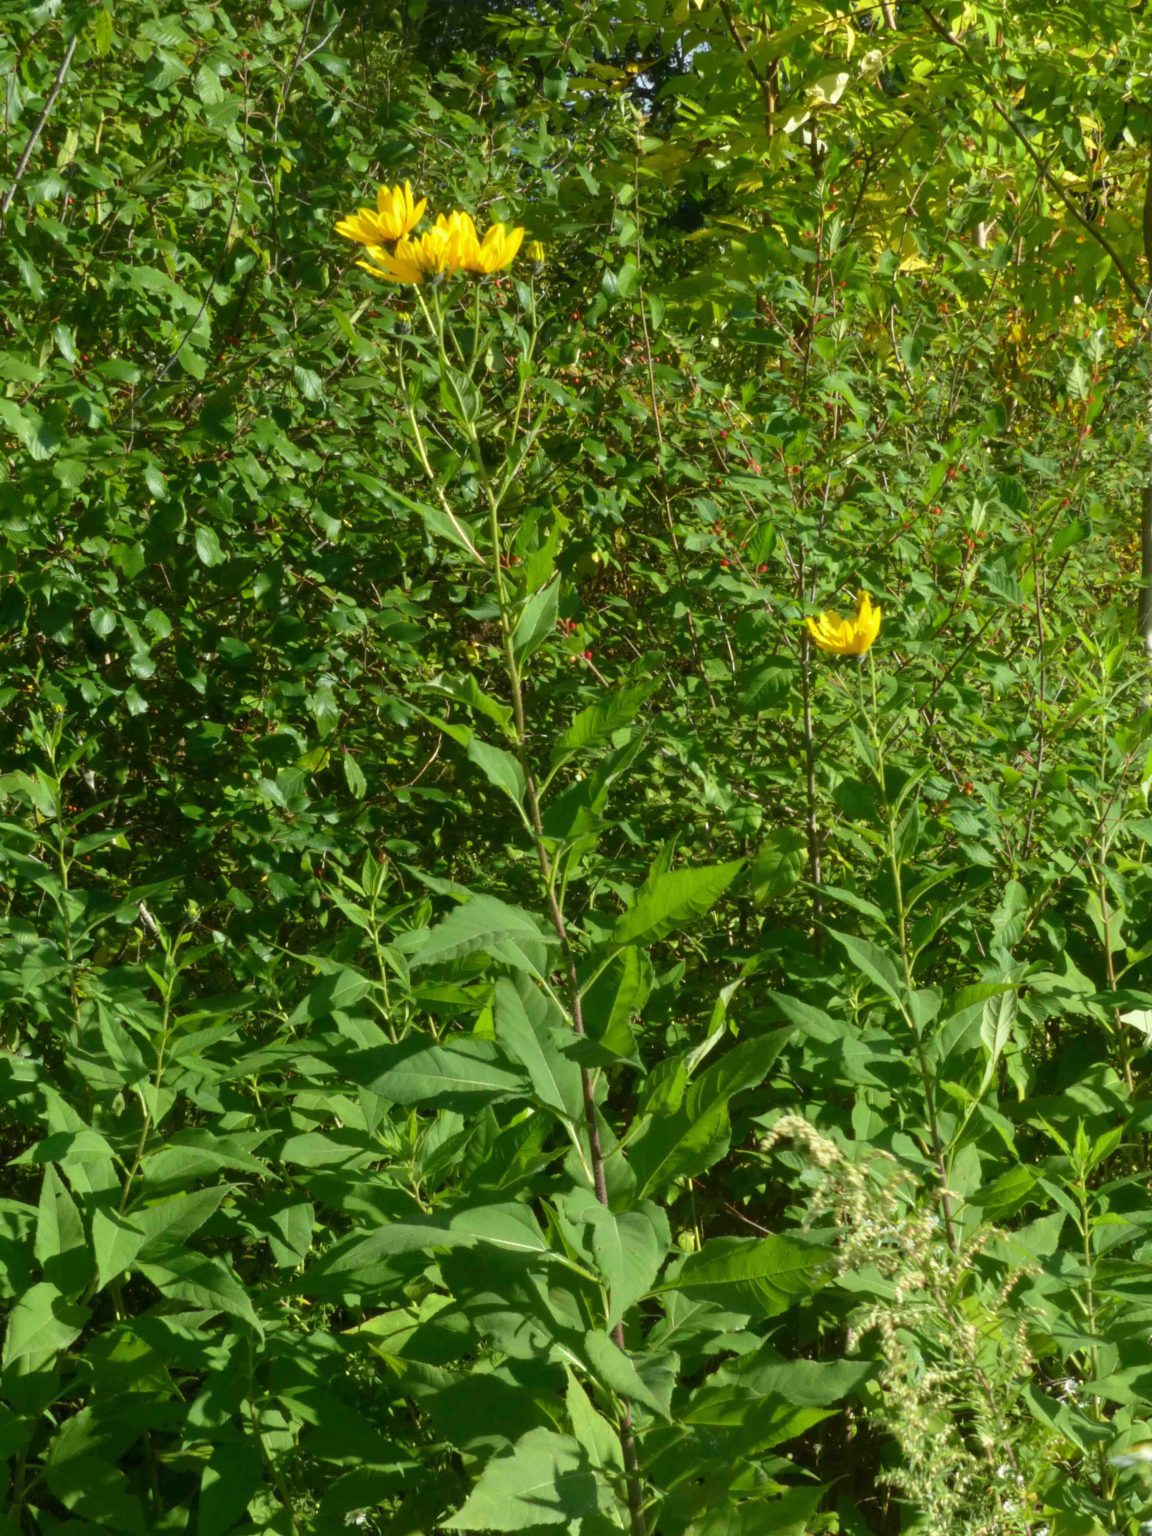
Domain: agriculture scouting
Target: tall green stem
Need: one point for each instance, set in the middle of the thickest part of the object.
(494, 490)
(895, 865)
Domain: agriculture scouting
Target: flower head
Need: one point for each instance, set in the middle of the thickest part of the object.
(429, 255)
(497, 249)
(847, 637)
(396, 215)
(451, 245)
(534, 251)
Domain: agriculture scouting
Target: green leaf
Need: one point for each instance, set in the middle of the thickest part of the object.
(779, 865)
(103, 32)
(618, 1373)
(765, 1275)
(532, 1031)
(466, 690)
(671, 900)
(629, 1247)
(789, 1514)
(60, 1244)
(354, 776)
(462, 1072)
(698, 1133)
(814, 1021)
(615, 998)
(597, 723)
(537, 620)
(92, 1487)
(230, 1478)
(599, 1439)
(208, 550)
(500, 768)
(627, 279)
(151, 1230)
(195, 1153)
(309, 383)
(507, 1226)
(202, 1281)
(337, 991)
(546, 1480)
(485, 924)
(875, 963)
(41, 1323)
(116, 1242)
(804, 1383)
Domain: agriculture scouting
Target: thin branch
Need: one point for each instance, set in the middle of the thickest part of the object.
(34, 137)
(1042, 171)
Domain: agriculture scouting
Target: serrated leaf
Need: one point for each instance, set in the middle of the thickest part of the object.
(594, 725)
(340, 989)
(500, 768)
(779, 864)
(698, 1133)
(537, 620)
(530, 1030)
(546, 1480)
(463, 1071)
(204, 1282)
(674, 899)
(629, 1247)
(767, 1274)
(41, 1322)
(617, 1371)
(873, 962)
(486, 924)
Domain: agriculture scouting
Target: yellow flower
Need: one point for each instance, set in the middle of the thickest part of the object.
(434, 252)
(451, 245)
(847, 637)
(396, 215)
(499, 246)
(534, 251)
(496, 250)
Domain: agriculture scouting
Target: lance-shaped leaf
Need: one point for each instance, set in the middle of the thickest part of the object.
(486, 925)
(547, 1480)
(673, 899)
(763, 1275)
(460, 1072)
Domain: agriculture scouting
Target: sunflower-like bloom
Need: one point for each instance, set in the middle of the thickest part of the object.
(496, 250)
(429, 255)
(498, 247)
(847, 637)
(396, 215)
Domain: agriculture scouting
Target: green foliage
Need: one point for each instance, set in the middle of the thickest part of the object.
(499, 1032)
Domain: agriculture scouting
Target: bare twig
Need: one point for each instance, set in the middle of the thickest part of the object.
(34, 137)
